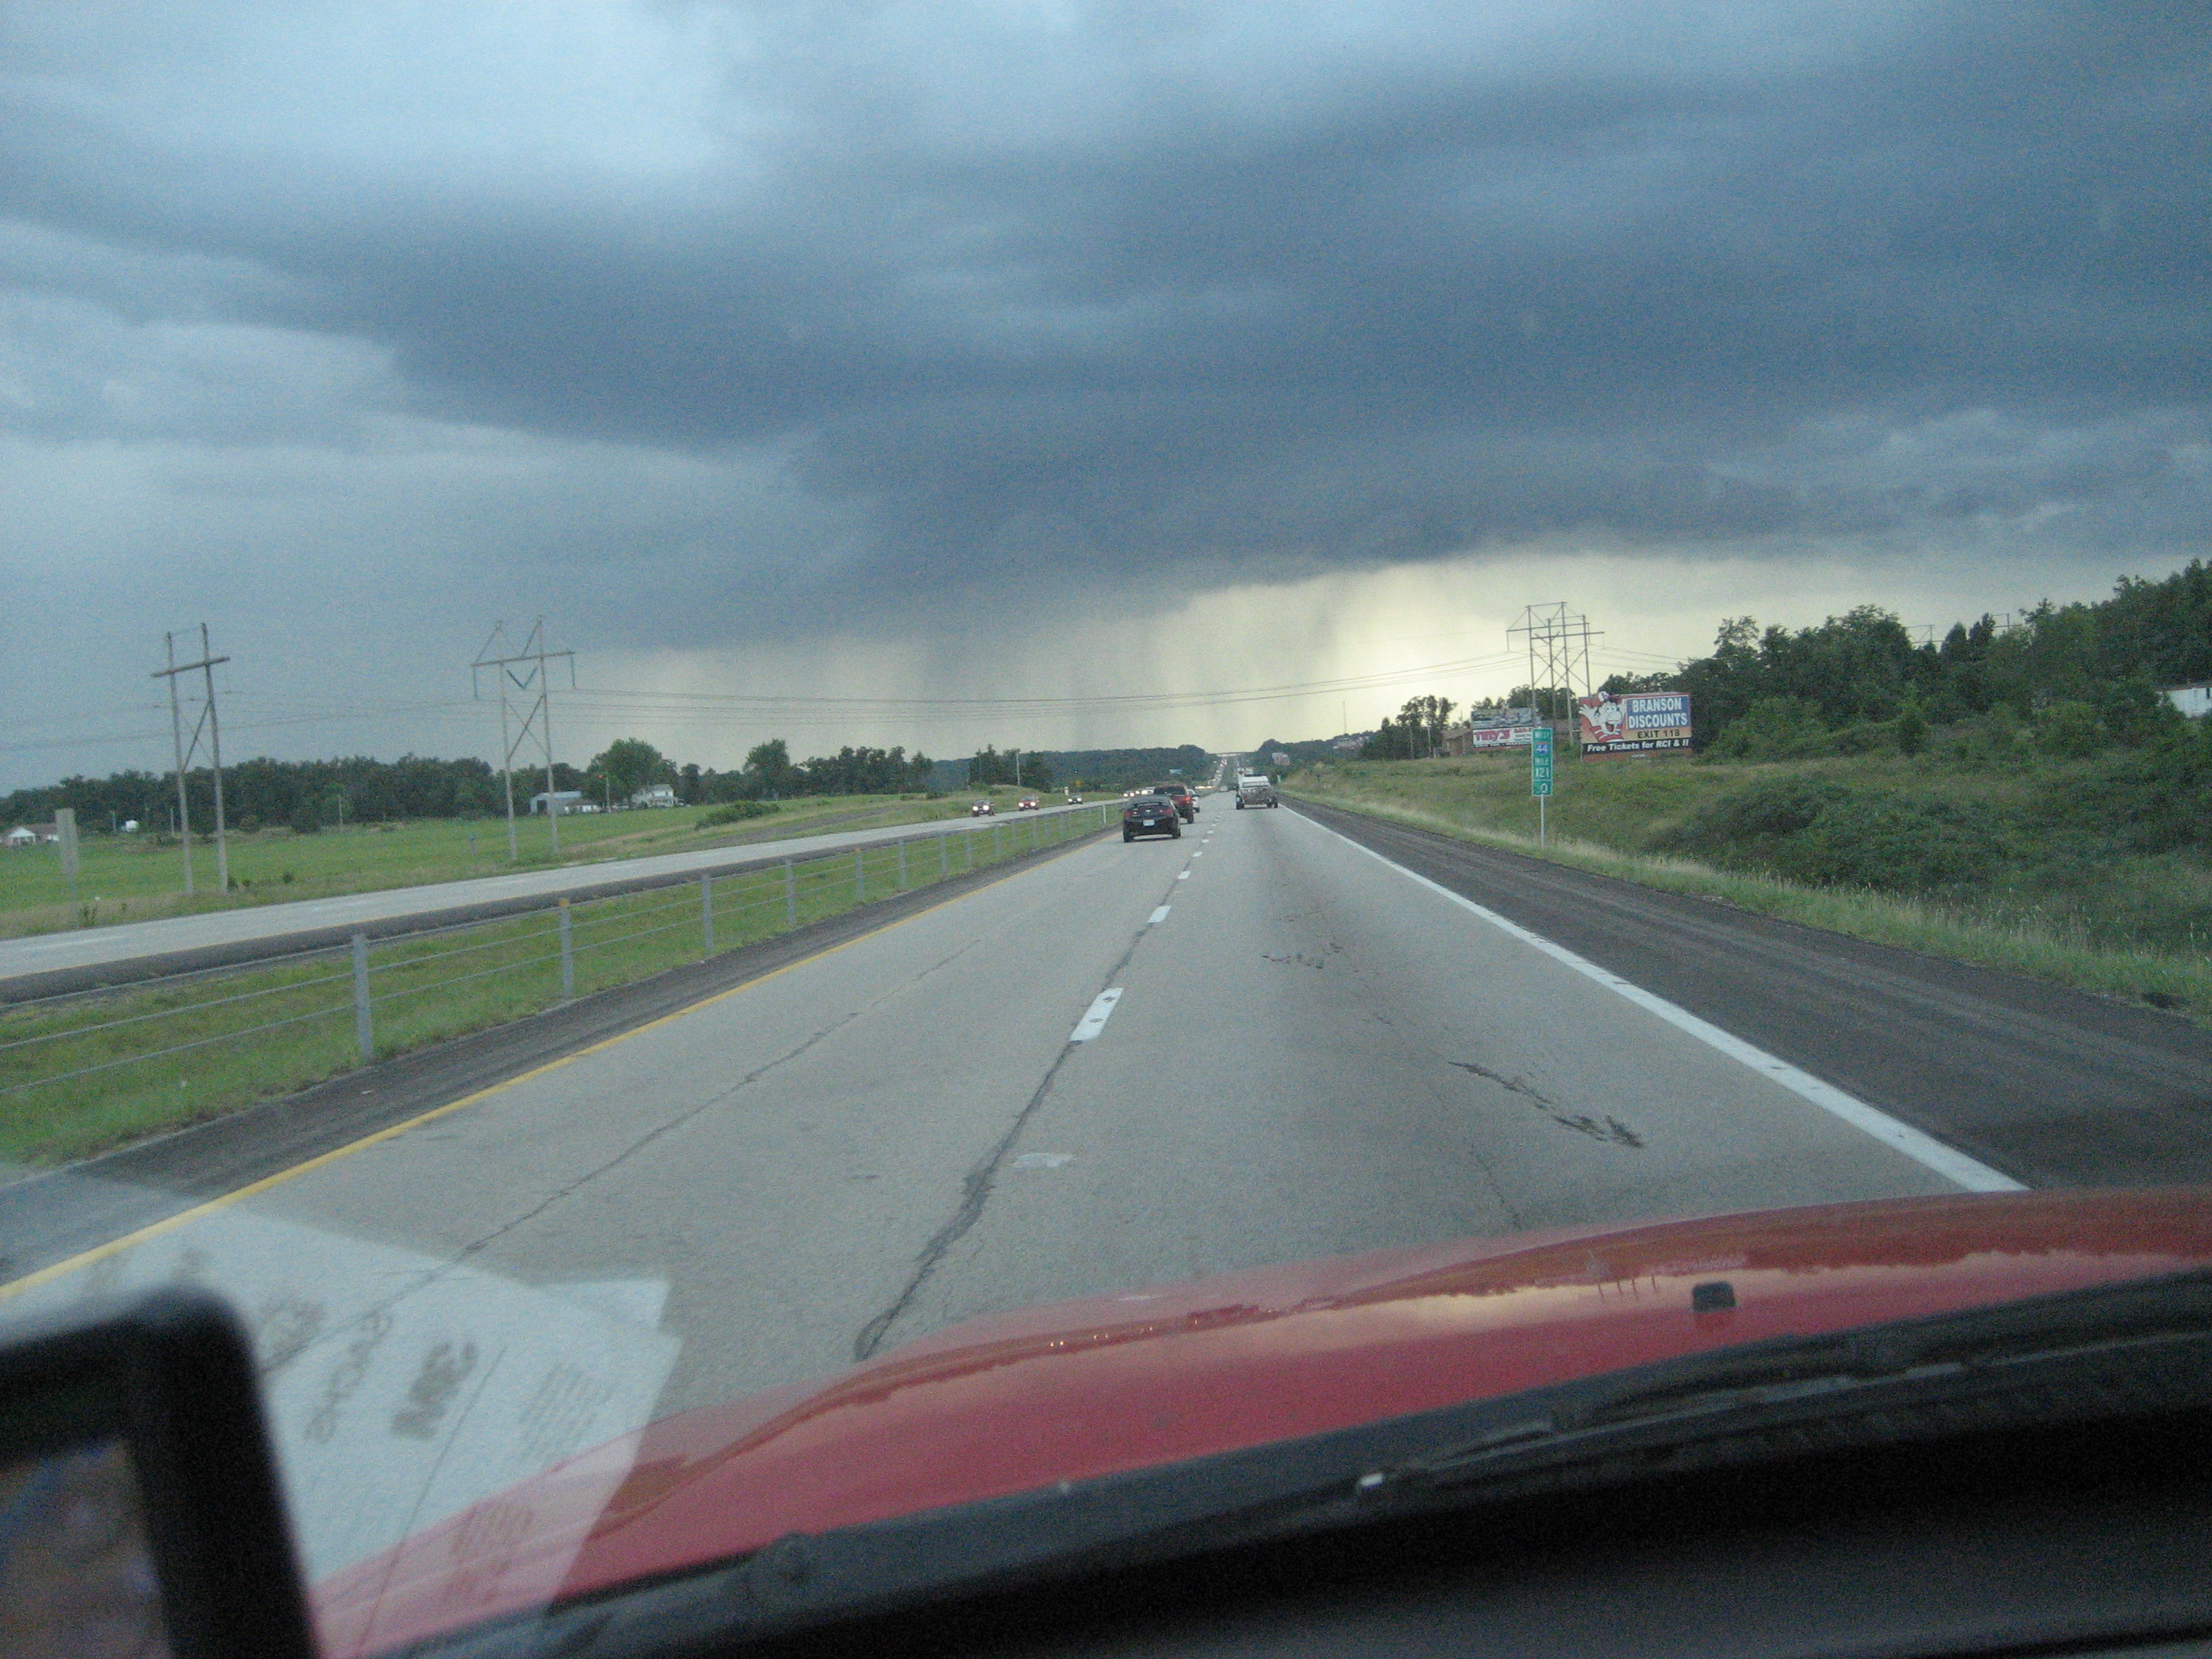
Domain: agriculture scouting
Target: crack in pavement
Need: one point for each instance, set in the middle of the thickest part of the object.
(976, 1190)
(720, 1098)
(1611, 1129)
(462, 1257)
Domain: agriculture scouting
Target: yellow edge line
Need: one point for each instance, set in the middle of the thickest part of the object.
(185, 1218)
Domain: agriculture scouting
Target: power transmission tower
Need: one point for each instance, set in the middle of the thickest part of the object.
(1558, 642)
(533, 692)
(207, 723)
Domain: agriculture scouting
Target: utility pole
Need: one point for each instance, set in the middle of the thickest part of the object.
(536, 686)
(207, 722)
(1560, 639)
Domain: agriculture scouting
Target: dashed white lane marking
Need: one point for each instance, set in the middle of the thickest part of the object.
(1183, 875)
(1200, 853)
(1043, 1160)
(1102, 1010)
(1923, 1148)
(1159, 915)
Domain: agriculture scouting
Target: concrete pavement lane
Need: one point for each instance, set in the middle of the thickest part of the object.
(1308, 1055)
(2057, 1086)
(1313, 1055)
(263, 929)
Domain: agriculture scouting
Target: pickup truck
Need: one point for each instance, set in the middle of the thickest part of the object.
(1255, 790)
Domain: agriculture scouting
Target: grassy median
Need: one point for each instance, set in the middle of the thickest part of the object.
(82, 1074)
(140, 878)
(2059, 908)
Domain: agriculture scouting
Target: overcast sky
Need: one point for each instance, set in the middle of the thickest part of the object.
(1058, 351)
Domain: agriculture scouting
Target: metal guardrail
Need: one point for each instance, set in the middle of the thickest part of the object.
(399, 999)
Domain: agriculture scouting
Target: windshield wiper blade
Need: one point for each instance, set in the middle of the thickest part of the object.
(1798, 1373)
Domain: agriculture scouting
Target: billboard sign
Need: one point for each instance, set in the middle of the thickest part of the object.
(1493, 716)
(1633, 723)
(1497, 737)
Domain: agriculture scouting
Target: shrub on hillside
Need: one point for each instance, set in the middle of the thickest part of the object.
(736, 812)
(2070, 729)
(1868, 737)
(1827, 834)
(1773, 728)
(1997, 741)
(2151, 799)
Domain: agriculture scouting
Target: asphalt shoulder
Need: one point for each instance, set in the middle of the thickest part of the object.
(2056, 1087)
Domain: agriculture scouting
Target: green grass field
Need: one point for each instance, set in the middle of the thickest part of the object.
(2121, 926)
(83, 1073)
(131, 878)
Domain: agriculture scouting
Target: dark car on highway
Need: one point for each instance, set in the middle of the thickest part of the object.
(1150, 815)
(1185, 804)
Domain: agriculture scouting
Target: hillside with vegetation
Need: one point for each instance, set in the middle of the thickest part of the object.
(2026, 796)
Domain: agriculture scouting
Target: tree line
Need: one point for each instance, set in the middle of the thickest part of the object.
(1863, 668)
(307, 796)
(1861, 678)
(304, 794)
(986, 766)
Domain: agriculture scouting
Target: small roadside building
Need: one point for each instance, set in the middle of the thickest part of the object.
(21, 835)
(655, 794)
(2193, 701)
(561, 801)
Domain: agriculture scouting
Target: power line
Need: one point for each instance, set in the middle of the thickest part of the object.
(288, 711)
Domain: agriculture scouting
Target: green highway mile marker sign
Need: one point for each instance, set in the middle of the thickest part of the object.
(1540, 761)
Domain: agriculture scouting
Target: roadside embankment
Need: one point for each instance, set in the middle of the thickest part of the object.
(2007, 868)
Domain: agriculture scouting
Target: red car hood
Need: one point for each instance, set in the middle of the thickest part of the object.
(1077, 1390)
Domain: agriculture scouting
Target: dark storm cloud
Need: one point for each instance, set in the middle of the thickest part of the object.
(1187, 293)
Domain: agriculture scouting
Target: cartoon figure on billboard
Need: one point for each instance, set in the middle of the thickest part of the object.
(1604, 717)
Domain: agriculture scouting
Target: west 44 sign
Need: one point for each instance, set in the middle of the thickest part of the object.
(1540, 761)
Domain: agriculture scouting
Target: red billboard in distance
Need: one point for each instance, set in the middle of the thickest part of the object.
(1633, 722)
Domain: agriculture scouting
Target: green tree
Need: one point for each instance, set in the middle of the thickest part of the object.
(629, 764)
(986, 766)
(769, 771)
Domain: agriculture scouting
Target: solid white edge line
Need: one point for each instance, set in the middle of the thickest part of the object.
(1159, 915)
(1094, 1021)
(1923, 1148)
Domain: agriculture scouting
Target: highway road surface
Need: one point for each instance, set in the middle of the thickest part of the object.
(251, 930)
(1117, 1065)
